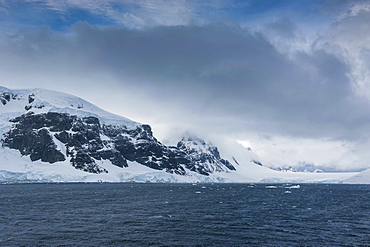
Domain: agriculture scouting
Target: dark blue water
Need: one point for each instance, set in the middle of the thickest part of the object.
(184, 214)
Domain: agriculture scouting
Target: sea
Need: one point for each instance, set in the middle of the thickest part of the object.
(147, 214)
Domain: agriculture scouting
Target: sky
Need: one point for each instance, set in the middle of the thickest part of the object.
(288, 78)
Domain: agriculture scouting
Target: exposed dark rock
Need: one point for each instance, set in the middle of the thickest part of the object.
(5, 97)
(63, 136)
(34, 142)
(39, 106)
(85, 141)
(204, 158)
(257, 162)
(31, 98)
(236, 161)
(32, 134)
(140, 145)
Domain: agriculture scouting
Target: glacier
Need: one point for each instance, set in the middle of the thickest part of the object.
(17, 169)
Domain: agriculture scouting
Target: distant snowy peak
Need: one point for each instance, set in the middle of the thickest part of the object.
(308, 168)
(205, 157)
(193, 144)
(18, 102)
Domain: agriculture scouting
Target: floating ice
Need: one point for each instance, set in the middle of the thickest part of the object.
(293, 187)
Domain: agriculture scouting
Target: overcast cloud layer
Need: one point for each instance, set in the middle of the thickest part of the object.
(289, 79)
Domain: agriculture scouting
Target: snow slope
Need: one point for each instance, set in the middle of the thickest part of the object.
(14, 168)
(52, 101)
(248, 171)
(360, 178)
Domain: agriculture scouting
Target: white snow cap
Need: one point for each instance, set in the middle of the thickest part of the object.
(42, 101)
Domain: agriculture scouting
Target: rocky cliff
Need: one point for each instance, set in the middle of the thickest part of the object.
(54, 135)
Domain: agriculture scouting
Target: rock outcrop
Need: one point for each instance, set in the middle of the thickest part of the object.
(85, 140)
(54, 127)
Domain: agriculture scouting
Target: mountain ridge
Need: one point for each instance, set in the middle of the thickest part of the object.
(47, 131)
(52, 136)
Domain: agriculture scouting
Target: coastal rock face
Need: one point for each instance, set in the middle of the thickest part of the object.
(54, 127)
(52, 137)
(141, 146)
(31, 138)
(204, 158)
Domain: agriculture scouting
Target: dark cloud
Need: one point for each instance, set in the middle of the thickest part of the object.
(226, 80)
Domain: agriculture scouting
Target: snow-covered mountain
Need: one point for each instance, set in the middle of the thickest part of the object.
(52, 136)
(205, 157)
(18, 102)
(54, 128)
